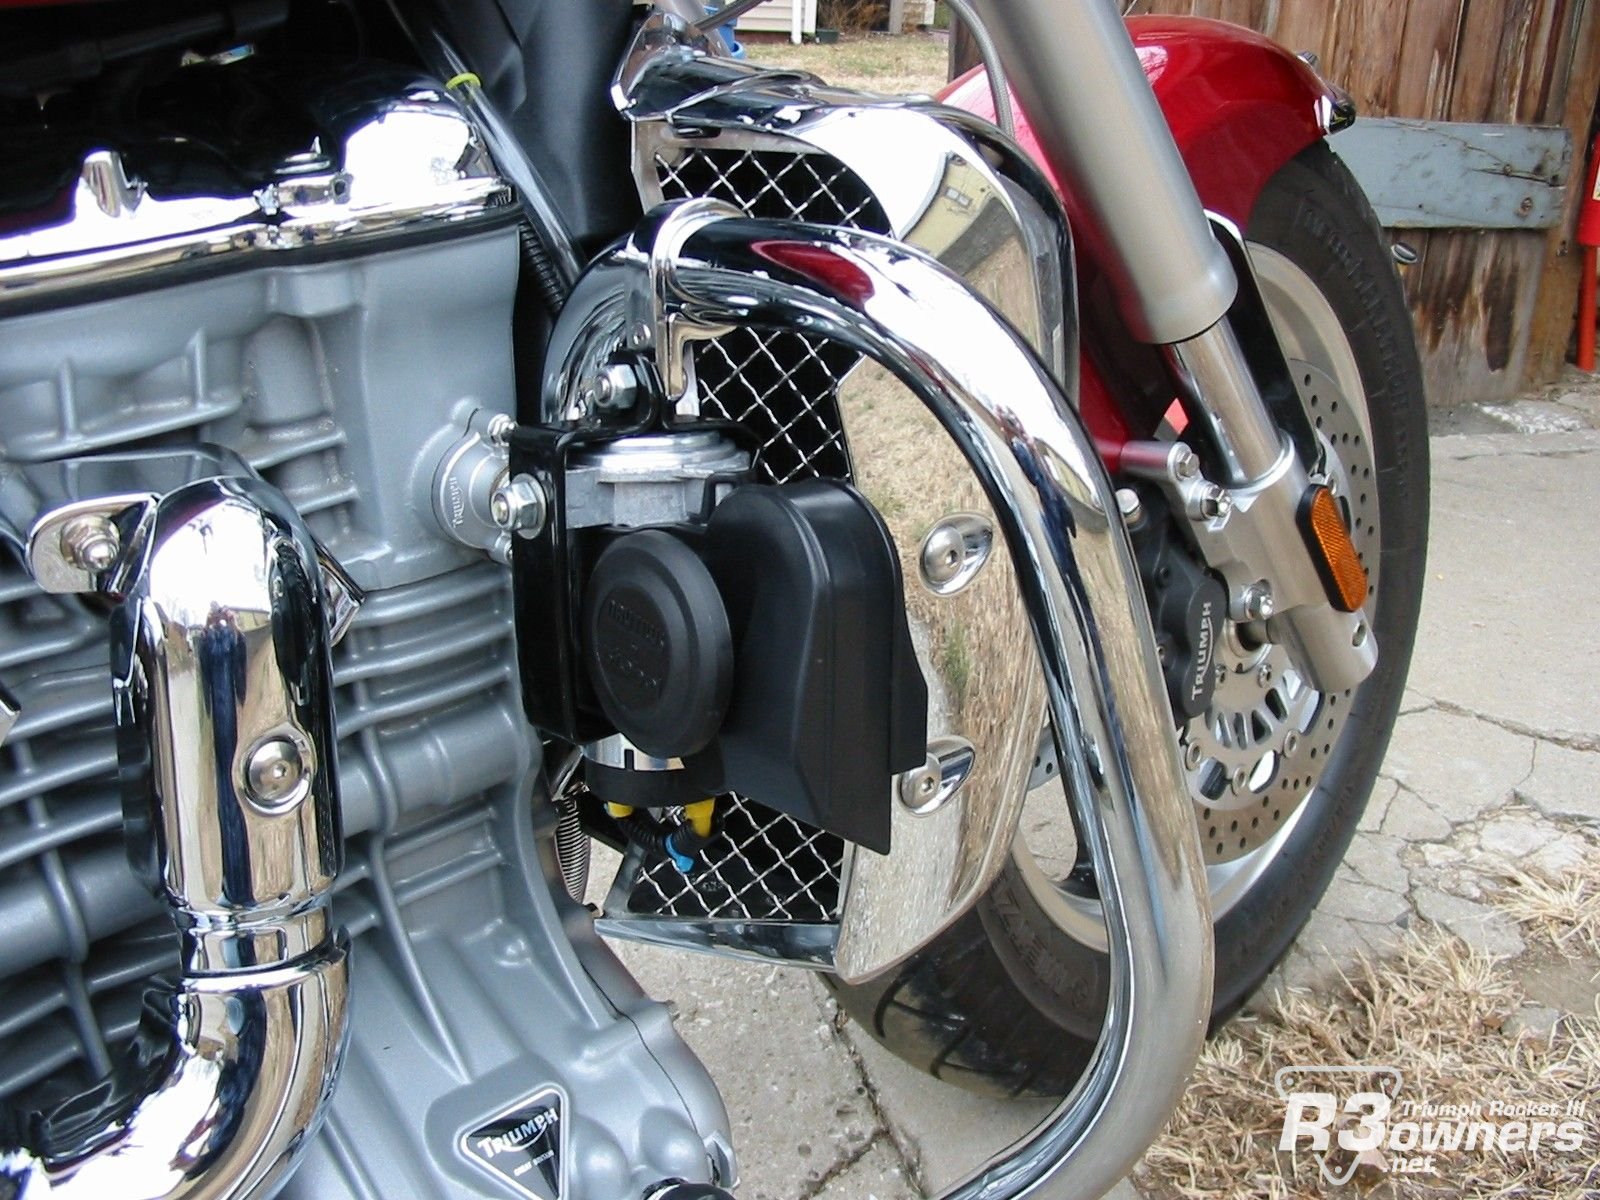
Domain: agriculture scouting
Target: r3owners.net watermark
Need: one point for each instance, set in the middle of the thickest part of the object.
(1356, 1116)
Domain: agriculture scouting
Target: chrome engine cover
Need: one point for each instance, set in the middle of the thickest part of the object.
(335, 321)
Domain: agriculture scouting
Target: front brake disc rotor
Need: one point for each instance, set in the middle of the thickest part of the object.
(1256, 755)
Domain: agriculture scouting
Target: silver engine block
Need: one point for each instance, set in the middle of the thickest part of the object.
(337, 328)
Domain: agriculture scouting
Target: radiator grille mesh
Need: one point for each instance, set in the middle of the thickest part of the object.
(784, 388)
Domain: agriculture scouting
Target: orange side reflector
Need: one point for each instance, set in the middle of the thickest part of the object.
(1337, 560)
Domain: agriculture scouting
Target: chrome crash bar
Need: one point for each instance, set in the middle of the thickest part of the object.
(223, 696)
(698, 268)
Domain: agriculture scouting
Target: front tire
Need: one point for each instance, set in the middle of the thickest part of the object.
(1009, 1000)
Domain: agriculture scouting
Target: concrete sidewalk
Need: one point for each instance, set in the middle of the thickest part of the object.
(1495, 763)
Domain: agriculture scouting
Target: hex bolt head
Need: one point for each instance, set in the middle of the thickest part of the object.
(500, 427)
(616, 387)
(1257, 602)
(274, 772)
(1129, 506)
(1185, 463)
(90, 543)
(519, 506)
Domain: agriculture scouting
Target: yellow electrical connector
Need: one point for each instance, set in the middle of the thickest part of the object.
(618, 811)
(699, 816)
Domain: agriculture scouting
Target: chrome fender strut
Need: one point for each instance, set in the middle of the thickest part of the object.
(698, 268)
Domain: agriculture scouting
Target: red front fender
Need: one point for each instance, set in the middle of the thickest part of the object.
(1239, 104)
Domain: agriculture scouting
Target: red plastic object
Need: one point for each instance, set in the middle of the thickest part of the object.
(1239, 105)
(1589, 213)
(1586, 313)
(1588, 238)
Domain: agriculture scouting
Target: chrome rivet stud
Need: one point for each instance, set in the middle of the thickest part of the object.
(1192, 755)
(90, 543)
(275, 772)
(1128, 505)
(954, 551)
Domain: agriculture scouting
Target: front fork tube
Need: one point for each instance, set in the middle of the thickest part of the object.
(1177, 286)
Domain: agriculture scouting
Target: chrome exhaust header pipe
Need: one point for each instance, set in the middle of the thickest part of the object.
(694, 270)
(223, 693)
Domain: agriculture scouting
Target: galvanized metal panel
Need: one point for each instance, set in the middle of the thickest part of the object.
(1458, 174)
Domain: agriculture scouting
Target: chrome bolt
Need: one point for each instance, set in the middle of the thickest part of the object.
(1221, 672)
(942, 552)
(519, 506)
(500, 427)
(1185, 463)
(1128, 505)
(1291, 744)
(919, 787)
(616, 387)
(1210, 502)
(1257, 602)
(1240, 780)
(639, 336)
(90, 543)
(1192, 755)
(1264, 675)
(1163, 653)
(954, 551)
(274, 772)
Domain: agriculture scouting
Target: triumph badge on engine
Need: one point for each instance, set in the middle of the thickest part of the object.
(524, 1146)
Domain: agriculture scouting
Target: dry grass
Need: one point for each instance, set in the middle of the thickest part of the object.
(1441, 1015)
(1564, 911)
(874, 62)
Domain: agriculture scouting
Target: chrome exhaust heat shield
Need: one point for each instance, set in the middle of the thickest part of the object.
(223, 694)
(699, 268)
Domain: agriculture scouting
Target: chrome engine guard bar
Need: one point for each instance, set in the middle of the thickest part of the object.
(223, 692)
(699, 268)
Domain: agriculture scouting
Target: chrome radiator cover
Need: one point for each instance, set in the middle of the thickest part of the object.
(784, 146)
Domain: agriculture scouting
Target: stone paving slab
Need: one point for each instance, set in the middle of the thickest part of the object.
(1494, 768)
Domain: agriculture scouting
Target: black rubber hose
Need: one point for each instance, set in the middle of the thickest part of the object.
(543, 270)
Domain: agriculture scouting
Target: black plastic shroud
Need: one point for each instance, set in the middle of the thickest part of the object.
(827, 703)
